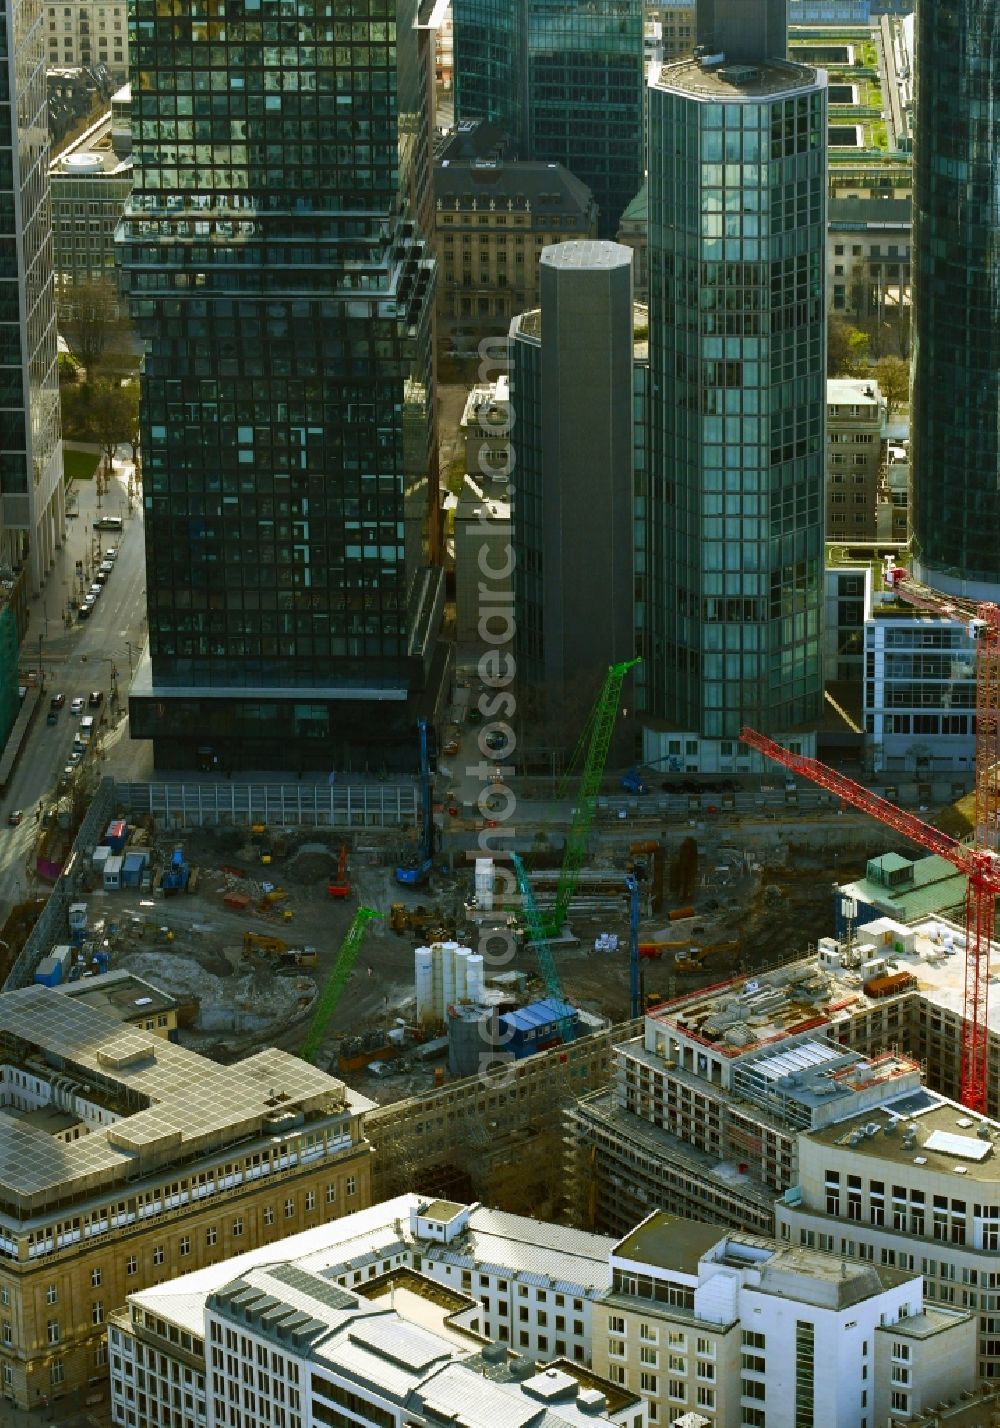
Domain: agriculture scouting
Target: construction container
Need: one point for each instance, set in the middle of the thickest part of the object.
(77, 917)
(239, 902)
(64, 956)
(113, 872)
(48, 972)
(680, 912)
(889, 986)
(116, 835)
(132, 868)
(100, 856)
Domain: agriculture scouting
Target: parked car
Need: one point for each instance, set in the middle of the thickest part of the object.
(101, 578)
(76, 705)
(95, 589)
(83, 613)
(106, 566)
(57, 701)
(111, 554)
(109, 523)
(96, 698)
(14, 818)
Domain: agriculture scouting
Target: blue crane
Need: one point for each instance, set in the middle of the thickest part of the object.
(632, 883)
(546, 961)
(416, 870)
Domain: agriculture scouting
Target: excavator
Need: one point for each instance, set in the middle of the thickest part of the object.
(694, 960)
(653, 951)
(262, 944)
(340, 885)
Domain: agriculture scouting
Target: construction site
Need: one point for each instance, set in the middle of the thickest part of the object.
(434, 976)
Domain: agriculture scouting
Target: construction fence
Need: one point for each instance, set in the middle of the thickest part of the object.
(279, 805)
(52, 926)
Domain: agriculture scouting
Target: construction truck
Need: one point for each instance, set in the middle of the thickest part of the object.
(266, 946)
(695, 959)
(653, 951)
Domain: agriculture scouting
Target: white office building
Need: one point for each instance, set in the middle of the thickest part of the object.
(470, 1276)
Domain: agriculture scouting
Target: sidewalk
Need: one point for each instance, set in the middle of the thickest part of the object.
(70, 1411)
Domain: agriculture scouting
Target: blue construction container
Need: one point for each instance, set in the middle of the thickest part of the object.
(48, 972)
(132, 869)
(536, 1026)
(117, 834)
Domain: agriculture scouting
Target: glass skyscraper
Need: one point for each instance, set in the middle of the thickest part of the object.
(565, 77)
(737, 220)
(955, 407)
(32, 507)
(279, 280)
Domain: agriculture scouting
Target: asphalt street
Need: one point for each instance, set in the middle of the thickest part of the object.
(74, 659)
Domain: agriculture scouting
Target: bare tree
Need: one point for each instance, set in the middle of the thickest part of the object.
(89, 319)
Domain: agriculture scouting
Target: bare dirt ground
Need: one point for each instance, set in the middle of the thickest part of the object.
(192, 944)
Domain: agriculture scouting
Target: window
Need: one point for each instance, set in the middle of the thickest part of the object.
(900, 1402)
(238, 1226)
(648, 1356)
(352, 1185)
(158, 1254)
(648, 1383)
(52, 1294)
(677, 1390)
(53, 1331)
(289, 1208)
(706, 1397)
(97, 1312)
(310, 1199)
(185, 1246)
(6, 1332)
(211, 1236)
(95, 1279)
(4, 1293)
(331, 1194)
(57, 1371)
(616, 1325)
(268, 1214)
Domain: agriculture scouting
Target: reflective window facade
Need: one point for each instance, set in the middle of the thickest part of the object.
(737, 211)
(31, 491)
(956, 278)
(566, 78)
(280, 285)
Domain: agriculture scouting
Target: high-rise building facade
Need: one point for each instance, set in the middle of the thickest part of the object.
(565, 77)
(32, 507)
(737, 210)
(278, 275)
(956, 299)
(573, 508)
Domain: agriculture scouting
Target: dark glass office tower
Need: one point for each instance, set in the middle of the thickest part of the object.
(955, 406)
(737, 231)
(280, 283)
(565, 77)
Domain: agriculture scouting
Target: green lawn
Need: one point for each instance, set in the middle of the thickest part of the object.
(79, 465)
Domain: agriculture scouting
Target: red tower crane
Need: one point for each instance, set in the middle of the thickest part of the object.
(981, 865)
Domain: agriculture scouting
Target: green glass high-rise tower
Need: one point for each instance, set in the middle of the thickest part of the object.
(955, 406)
(565, 78)
(737, 227)
(277, 272)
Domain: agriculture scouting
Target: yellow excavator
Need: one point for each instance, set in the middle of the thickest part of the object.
(694, 960)
(266, 946)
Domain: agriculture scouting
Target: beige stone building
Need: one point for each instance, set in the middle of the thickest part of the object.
(855, 427)
(127, 1160)
(88, 33)
(493, 220)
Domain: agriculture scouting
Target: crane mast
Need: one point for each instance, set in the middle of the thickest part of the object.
(982, 869)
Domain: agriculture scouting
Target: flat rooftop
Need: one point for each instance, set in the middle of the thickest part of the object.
(121, 993)
(926, 1130)
(669, 1242)
(784, 1000)
(770, 77)
(187, 1105)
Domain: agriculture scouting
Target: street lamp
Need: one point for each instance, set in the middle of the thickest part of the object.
(128, 646)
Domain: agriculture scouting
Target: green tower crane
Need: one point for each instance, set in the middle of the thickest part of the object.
(326, 1002)
(602, 727)
(546, 961)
